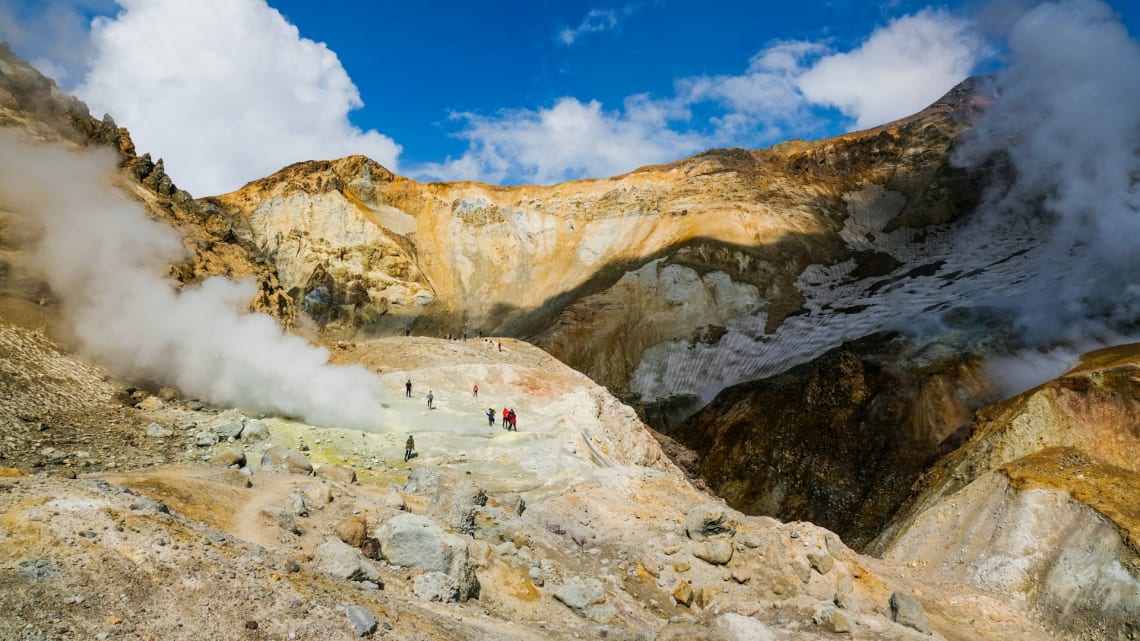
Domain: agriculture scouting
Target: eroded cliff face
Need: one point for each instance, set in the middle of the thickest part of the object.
(603, 272)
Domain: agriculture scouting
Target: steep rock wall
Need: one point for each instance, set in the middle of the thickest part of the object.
(838, 441)
(602, 272)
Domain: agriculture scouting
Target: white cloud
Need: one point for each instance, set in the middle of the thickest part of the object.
(569, 140)
(225, 91)
(765, 102)
(899, 70)
(596, 21)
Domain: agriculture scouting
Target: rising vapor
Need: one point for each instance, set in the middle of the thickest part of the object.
(1067, 118)
(105, 259)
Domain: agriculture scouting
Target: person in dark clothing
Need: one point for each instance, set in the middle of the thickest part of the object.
(491, 416)
(513, 420)
(429, 399)
(408, 388)
(408, 447)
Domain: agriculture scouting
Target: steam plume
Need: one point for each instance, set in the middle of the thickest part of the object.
(105, 259)
(1066, 115)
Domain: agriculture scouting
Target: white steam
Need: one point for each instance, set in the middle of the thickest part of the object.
(105, 260)
(1067, 116)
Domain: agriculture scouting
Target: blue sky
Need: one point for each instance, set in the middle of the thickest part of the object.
(227, 91)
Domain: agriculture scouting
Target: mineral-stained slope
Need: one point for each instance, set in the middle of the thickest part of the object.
(602, 271)
(1040, 502)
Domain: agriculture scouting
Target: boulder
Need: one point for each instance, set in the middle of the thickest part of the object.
(821, 562)
(228, 458)
(717, 551)
(587, 598)
(206, 438)
(906, 611)
(423, 480)
(734, 627)
(352, 530)
(683, 593)
(337, 558)
(457, 507)
(415, 541)
(337, 473)
(284, 461)
(436, 586)
(362, 620)
(255, 431)
(229, 430)
(709, 520)
(158, 431)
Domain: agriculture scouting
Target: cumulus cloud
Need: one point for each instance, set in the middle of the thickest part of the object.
(569, 140)
(783, 92)
(106, 260)
(225, 91)
(900, 69)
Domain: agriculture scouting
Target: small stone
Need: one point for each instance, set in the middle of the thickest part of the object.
(671, 549)
(822, 562)
(681, 566)
(704, 595)
(251, 625)
(683, 593)
(158, 431)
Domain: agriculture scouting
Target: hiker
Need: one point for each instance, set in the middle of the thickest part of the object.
(475, 390)
(491, 417)
(408, 388)
(408, 447)
(513, 420)
(500, 345)
(429, 398)
(506, 417)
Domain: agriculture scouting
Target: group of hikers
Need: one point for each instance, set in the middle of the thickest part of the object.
(510, 419)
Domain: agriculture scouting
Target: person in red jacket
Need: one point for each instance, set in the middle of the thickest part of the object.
(513, 420)
(475, 390)
(506, 417)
